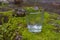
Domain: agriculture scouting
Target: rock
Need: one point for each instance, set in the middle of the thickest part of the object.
(20, 13)
(18, 2)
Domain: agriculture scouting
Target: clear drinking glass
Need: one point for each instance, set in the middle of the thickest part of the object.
(35, 20)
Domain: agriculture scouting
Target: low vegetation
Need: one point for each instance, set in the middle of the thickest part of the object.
(14, 28)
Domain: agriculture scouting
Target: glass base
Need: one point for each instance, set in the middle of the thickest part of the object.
(34, 28)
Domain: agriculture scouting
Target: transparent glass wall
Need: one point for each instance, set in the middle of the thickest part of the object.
(35, 20)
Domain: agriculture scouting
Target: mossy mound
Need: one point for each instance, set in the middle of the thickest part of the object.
(18, 25)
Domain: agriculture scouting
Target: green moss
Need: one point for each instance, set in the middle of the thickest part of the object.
(9, 29)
